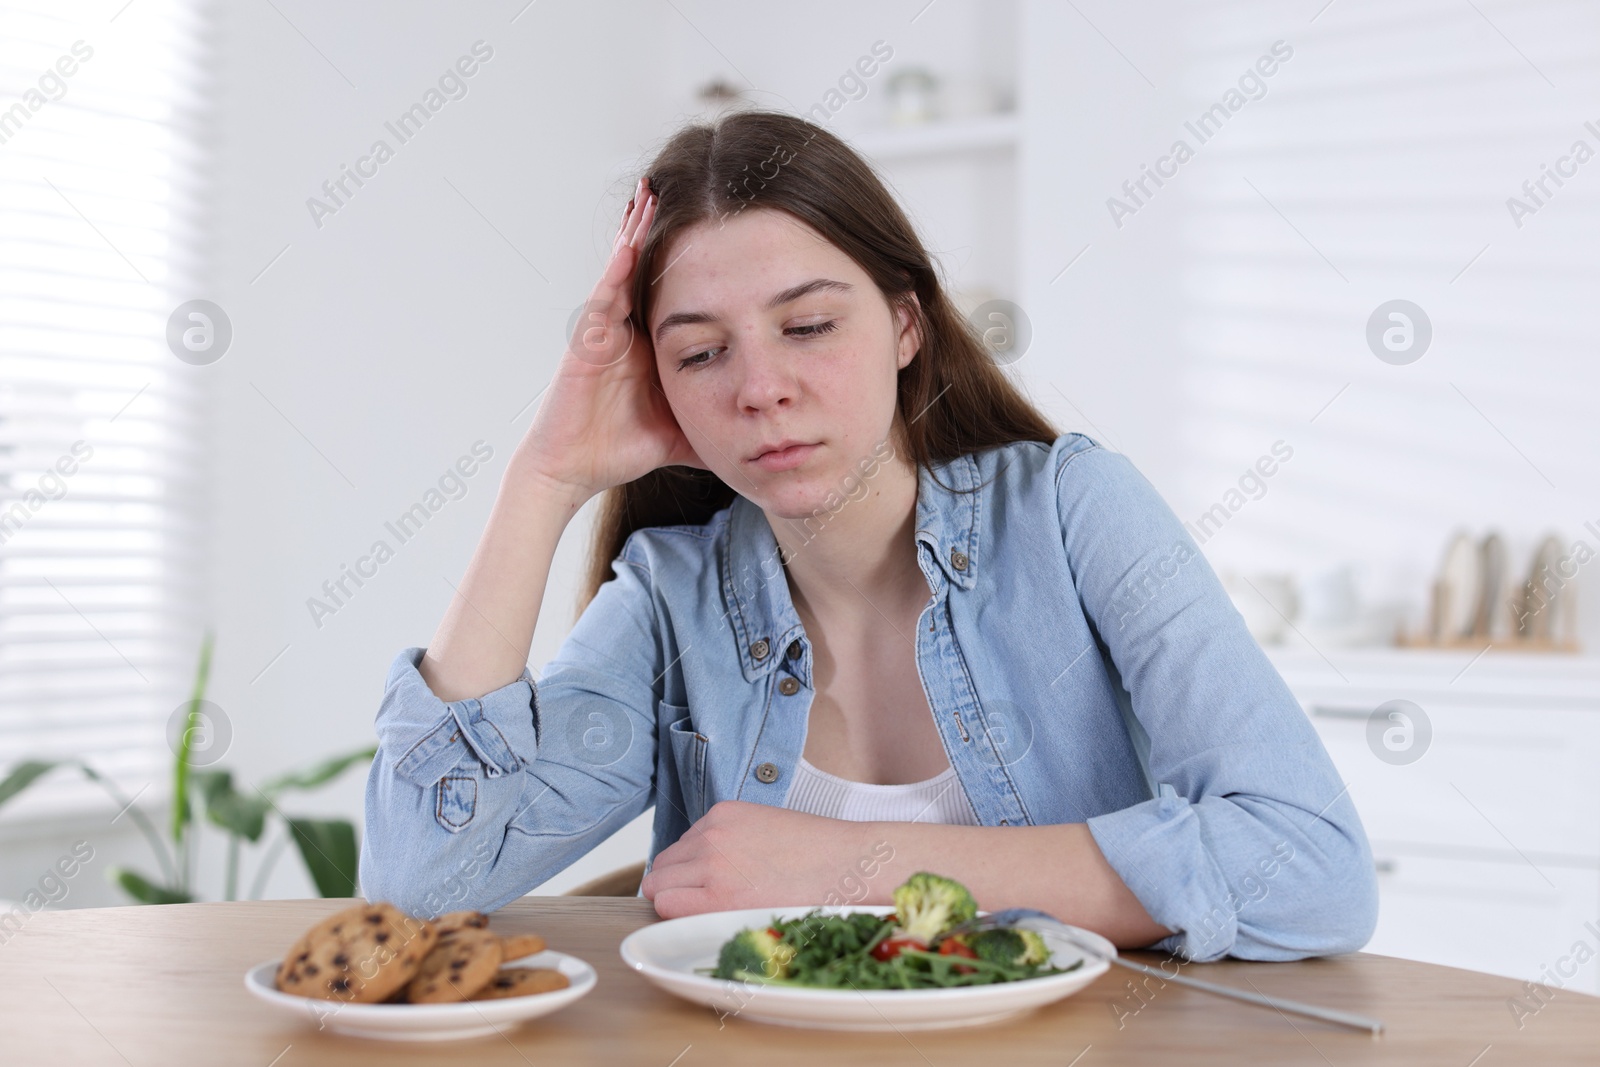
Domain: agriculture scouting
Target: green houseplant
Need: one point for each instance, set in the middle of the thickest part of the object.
(327, 846)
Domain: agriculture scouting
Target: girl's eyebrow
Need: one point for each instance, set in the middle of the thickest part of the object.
(789, 295)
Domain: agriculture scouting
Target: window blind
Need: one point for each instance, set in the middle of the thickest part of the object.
(102, 505)
(1380, 162)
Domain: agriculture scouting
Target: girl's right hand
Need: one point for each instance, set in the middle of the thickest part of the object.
(603, 420)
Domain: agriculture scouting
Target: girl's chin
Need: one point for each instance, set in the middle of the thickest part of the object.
(797, 501)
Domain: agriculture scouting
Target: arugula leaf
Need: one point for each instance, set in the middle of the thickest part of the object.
(835, 952)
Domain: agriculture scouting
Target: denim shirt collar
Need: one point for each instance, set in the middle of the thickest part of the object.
(757, 592)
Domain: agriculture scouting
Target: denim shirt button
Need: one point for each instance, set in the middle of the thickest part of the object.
(788, 687)
(767, 772)
(760, 648)
(958, 559)
(794, 650)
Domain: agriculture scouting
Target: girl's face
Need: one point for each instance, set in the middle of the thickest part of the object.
(765, 333)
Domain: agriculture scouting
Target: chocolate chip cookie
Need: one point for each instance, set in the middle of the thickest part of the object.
(461, 920)
(459, 965)
(360, 955)
(517, 946)
(520, 982)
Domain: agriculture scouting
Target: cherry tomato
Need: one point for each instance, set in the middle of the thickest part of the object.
(890, 947)
(952, 947)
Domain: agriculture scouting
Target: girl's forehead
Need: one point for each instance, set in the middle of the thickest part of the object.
(741, 247)
(728, 265)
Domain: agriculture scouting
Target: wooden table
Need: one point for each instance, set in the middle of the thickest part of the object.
(164, 985)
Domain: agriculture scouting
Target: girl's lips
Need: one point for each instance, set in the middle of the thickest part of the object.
(787, 459)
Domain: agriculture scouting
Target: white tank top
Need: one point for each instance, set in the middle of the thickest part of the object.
(939, 799)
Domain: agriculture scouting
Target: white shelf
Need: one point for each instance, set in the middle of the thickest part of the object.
(988, 133)
(1565, 680)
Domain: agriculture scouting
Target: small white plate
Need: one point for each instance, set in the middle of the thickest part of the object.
(667, 954)
(1461, 576)
(1544, 598)
(429, 1022)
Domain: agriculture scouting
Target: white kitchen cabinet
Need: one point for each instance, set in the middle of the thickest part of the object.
(1488, 844)
(1496, 777)
(1488, 915)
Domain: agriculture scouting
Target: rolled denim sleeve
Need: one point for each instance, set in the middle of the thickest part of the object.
(473, 803)
(1251, 846)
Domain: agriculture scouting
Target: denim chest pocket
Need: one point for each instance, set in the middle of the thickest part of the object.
(457, 800)
(689, 755)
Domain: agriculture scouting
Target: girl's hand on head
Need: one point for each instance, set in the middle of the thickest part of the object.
(603, 420)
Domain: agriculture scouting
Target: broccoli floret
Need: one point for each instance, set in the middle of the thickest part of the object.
(1012, 947)
(754, 954)
(927, 905)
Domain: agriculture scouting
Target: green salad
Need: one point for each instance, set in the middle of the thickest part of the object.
(915, 947)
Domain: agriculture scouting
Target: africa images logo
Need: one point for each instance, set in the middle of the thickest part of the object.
(451, 485)
(452, 86)
(1252, 85)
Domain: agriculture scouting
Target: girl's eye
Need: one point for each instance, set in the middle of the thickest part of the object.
(700, 359)
(815, 329)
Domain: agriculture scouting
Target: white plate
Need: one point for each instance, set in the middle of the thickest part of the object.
(1492, 614)
(1545, 599)
(667, 954)
(429, 1022)
(1461, 577)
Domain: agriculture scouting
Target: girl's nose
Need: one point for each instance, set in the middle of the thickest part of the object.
(766, 375)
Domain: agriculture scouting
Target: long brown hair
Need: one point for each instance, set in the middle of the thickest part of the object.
(761, 159)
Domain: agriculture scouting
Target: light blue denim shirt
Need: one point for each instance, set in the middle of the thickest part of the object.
(1080, 657)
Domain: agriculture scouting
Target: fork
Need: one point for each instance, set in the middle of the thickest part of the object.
(1011, 917)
